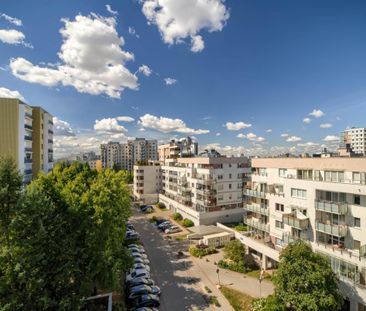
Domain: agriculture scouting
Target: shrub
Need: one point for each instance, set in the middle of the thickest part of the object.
(161, 205)
(233, 266)
(177, 217)
(207, 289)
(241, 227)
(214, 301)
(200, 252)
(188, 223)
(153, 219)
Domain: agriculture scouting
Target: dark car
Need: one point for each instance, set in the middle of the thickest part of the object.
(165, 226)
(160, 221)
(146, 309)
(146, 208)
(140, 290)
(141, 281)
(149, 300)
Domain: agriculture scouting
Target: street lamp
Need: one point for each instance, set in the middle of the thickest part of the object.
(218, 275)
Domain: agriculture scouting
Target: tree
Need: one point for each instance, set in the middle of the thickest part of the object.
(188, 223)
(234, 250)
(305, 280)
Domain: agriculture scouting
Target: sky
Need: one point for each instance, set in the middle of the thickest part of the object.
(245, 77)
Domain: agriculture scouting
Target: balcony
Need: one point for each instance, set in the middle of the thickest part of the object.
(29, 115)
(331, 207)
(255, 223)
(27, 160)
(254, 193)
(28, 127)
(27, 137)
(337, 230)
(50, 122)
(50, 141)
(257, 208)
(296, 220)
(27, 149)
(289, 237)
(50, 132)
(28, 172)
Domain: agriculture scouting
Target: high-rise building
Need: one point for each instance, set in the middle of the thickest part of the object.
(354, 140)
(147, 182)
(26, 135)
(319, 200)
(178, 148)
(124, 156)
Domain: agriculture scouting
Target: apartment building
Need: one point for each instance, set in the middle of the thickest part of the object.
(124, 156)
(147, 182)
(319, 200)
(22, 137)
(205, 189)
(355, 138)
(178, 148)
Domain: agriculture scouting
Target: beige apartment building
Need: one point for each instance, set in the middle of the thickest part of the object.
(26, 135)
(319, 200)
(178, 148)
(147, 182)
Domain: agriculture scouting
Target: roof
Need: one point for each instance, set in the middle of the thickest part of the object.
(218, 235)
(201, 231)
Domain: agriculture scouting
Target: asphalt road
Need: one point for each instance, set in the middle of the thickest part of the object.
(179, 290)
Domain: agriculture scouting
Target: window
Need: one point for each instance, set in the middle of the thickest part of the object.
(356, 176)
(279, 224)
(357, 222)
(298, 193)
(280, 207)
(220, 187)
(220, 197)
(229, 186)
(279, 242)
(282, 172)
(219, 176)
(356, 200)
(356, 244)
(229, 176)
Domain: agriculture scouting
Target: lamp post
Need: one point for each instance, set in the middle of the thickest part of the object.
(260, 285)
(218, 275)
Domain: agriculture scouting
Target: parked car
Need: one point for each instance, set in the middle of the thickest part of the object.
(165, 226)
(160, 221)
(141, 281)
(139, 255)
(130, 226)
(130, 235)
(146, 208)
(134, 246)
(146, 309)
(140, 266)
(137, 274)
(143, 290)
(141, 260)
(148, 300)
(137, 250)
(173, 229)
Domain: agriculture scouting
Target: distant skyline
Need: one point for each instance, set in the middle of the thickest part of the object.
(251, 77)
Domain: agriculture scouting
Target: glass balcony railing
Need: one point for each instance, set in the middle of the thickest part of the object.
(291, 220)
(331, 207)
(253, 222)
(254, 193)
(333, 229)
(288, 237)
(257, 208)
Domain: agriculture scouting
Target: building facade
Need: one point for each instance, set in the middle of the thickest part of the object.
(26, 135)
(355, 138)
(319, 200)
(124, 156)
(178, 148)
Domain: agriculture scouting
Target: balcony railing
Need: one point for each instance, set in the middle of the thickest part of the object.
(28, 149)
(257, 208)
(27, 160)
(50, 131)
(27, 137)
(28, 172)
(331, 207)
(252, 222)
(337, 230)
(29, 115)
(254, 193)
(291, 220)
(28, 127)
(288, 237)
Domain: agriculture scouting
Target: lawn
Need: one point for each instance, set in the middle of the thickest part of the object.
(239, 301)
(256, 274)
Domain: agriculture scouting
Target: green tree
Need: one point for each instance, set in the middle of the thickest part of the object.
(188, 223)
(305, 280)
(234, 250)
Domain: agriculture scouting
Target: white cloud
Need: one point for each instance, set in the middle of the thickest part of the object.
(308, 144)
(292, 139)
(168, 125)
(317, 113)
(132, 32)
(218, 134)
(6, 93)
(145, 70)
(284, 135)
(88, 67)
(179, 20)
(306, 120)
(109, 125)
(268, 130)
(62, 128)
(109, 9)
(125, 119)
(331, 138)
(12, 36)
(170, 81)
(197, 44)
(13, 20)
(251, 137)
(237, 126)
(326, 125)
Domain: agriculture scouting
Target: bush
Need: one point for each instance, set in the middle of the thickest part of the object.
(214, 301)
(177, 217)
(200, 252)
(188, 223)
(153, 219)
(241, 227)
(161, 205)
(233, 266)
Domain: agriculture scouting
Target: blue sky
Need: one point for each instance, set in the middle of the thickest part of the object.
(239, 69)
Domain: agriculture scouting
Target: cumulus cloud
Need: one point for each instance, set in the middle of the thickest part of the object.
(251, 137)
(237, 126)
(308, 144)
(109, 125)
(268, 130)
(317, 113)
(6, 93)
(132, 32)
(306, 120)
(12, 36)
(145, 70)
(284, 135)
(331, 138)
(93, 60)
(292, 139)
(110, 10)
(13, 20)
(170, 81)
(62, 128)
(179, 20)
(125, 119)
(168, 125)
(326, 125)
(218, 134)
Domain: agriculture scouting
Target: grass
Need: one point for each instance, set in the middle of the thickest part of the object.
(180, 237)
(256, 274)
(239, 301)
(214, 301)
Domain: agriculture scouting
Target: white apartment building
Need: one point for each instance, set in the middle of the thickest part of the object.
(124, 156)
(178, 148)
(356, 138)
(205, 189)
(147, 182)
(319, 200)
